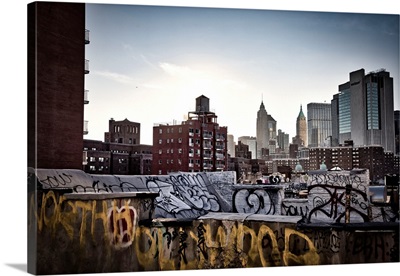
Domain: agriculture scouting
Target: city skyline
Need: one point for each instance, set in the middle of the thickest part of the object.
(149, 63)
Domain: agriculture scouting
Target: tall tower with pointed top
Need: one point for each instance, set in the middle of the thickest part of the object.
(301, 128)
(266, 131)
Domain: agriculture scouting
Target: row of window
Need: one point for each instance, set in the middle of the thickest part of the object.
(170, 130)
(128, 129)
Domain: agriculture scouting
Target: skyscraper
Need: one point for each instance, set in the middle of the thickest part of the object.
(365, 112)
(266, 130)
(319, 123)
(283, 141)
(301, 129)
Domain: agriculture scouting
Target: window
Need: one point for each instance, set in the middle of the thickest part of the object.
(160, 141)
(92, 159)
(160, 131)
(101, 159)
(92, 168)
(180, 130)
(160, 151)
(180, 140)
(160, 162)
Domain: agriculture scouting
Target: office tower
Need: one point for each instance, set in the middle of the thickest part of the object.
(56, 77)
(231, 145)
(365, 109)
(122, 132)
(196, 145)
(266, 130)
(283, 141)
(335, 120)
(319, 123)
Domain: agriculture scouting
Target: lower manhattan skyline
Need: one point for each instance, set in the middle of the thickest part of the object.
(148, 63)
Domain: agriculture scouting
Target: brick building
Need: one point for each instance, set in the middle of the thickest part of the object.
(56, 77)
(117, 158)
(197, 144)
(123, 132)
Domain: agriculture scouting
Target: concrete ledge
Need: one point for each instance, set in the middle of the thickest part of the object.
(102, 196)
(251, 217)
(258, 186)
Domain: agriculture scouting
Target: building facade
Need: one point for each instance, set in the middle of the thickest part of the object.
(231, 145)
(123, 132)
(56, 84)
(265, 132)
(198, 144)
(319, 123)
(301, 130)
(117, 158)
(365, 112)
(283, 141)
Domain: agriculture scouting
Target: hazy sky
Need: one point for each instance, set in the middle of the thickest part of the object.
(149, 63)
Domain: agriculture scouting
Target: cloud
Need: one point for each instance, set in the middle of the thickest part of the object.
(120, 78)
(178, 71)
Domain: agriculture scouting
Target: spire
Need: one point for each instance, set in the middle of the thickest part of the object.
(301, 114)
(262, 102)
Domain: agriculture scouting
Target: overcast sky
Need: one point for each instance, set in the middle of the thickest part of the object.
(149, 63)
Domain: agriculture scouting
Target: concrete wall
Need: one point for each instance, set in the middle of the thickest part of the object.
(89, 224)
(112, 233)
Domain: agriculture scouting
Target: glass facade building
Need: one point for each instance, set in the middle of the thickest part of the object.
(319, 123)
(365, 110)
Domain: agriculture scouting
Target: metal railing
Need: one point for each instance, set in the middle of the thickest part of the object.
(86, 66)
(85, 127)
(87, 41)
(85, 97)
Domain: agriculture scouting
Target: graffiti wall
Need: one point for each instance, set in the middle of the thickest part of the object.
(85, 235)
(258, 199)
(327, 196)
(181, 195)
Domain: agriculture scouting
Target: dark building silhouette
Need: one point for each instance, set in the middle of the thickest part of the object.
(117, 158)
(56, 77)
(197, 144)
(242, 150)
